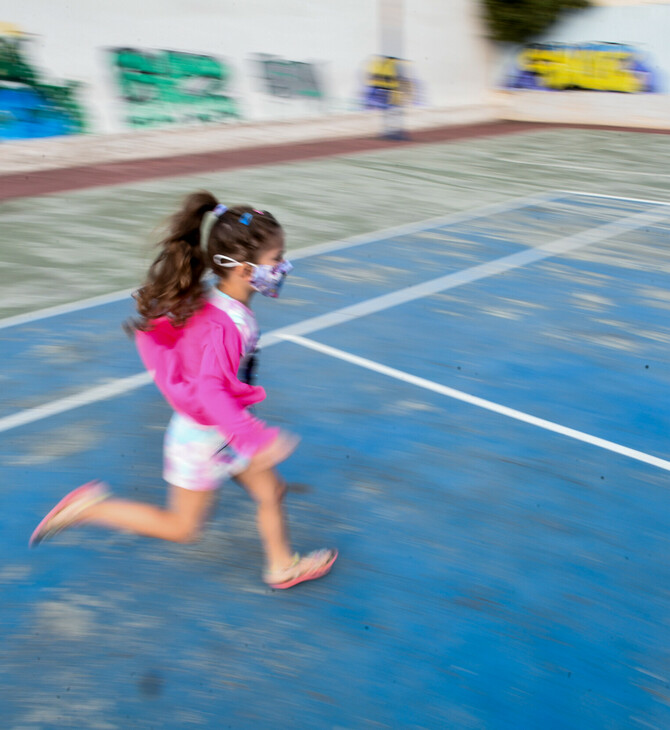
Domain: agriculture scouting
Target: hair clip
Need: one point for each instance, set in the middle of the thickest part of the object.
(260, 212)
(219, 210)
(245, 219)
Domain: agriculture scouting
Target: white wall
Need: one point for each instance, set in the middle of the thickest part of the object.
(443, 40)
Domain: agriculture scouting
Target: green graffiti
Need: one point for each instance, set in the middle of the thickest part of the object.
(13, 66)
(169, 87)
(30, 107)
(290, 79)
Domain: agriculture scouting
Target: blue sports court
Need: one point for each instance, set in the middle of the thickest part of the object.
(483, 405)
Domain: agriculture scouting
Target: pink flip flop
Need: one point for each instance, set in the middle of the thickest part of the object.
(310, 567)
(67, 511)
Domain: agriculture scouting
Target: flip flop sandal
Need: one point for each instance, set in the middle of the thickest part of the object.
(310, 567)
(67, 511)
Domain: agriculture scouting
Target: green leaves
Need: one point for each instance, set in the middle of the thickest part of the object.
(517, 21)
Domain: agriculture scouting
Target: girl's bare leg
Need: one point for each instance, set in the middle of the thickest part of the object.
(180, 521)
(267, 489)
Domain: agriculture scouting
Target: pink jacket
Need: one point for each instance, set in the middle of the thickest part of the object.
(195, 368)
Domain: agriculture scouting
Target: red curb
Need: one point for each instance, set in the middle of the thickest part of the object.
(43, 182)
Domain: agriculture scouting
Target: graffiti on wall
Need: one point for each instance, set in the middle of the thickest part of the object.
(161, 88)
(388, 83)
(30, 107)
(289, 79)
(590, 66)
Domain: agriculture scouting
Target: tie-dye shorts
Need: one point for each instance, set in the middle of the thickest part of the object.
(197, 457)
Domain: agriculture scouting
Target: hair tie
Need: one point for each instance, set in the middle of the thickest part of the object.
(219, 210)
(245, 219)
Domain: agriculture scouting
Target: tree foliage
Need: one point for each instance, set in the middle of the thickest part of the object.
(517, 21)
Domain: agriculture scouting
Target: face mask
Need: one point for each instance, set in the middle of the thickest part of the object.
(266, 279)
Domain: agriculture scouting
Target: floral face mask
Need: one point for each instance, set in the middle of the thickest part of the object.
(266, 279)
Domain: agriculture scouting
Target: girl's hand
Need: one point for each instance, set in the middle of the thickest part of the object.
(279, 450)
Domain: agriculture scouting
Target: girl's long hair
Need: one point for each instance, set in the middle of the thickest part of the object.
(173, 286)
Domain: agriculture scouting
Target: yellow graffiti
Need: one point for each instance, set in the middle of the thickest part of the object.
(569, 68)
(387, 73)
(10, 29)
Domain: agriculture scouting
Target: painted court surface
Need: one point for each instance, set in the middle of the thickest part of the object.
(473, 346)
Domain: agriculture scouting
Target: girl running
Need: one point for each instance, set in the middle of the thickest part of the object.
(200, 346)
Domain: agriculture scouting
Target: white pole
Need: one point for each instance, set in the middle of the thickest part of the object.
(391, 26)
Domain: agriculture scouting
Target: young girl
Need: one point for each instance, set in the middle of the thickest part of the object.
(200, 346)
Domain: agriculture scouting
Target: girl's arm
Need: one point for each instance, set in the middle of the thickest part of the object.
(216, 387)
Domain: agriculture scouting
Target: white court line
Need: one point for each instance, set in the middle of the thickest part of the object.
(613, 197)
(86, 397)
(337, 245)
(474, 273)
(581, 168)
(479, 402)
(369, 306)
(47, 312)
(301, 253)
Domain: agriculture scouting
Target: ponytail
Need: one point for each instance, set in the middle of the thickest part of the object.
(173, 286)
